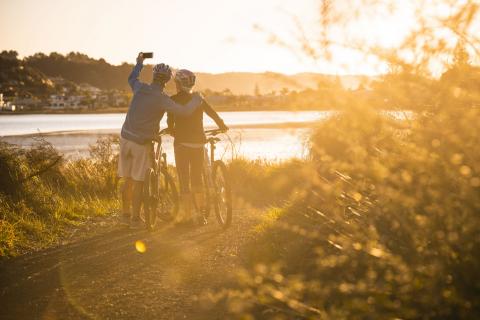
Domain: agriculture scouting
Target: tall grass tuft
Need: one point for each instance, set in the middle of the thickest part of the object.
(41, 194)
(263, 183)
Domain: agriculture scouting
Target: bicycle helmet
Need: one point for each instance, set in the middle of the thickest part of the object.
(162, 72)
(185, 79)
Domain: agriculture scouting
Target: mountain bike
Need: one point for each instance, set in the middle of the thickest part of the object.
(160, 194)
(218, 192)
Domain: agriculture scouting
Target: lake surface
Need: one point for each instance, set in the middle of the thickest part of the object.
(266, 135)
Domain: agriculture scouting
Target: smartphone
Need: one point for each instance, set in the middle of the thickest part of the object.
(147, 55)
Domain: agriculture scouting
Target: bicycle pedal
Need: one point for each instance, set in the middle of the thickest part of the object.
(202, 221)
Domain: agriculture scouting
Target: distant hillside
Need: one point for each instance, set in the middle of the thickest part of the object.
(17, 78)
(246, 82)
(79, 68)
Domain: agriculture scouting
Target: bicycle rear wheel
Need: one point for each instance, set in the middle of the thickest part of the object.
(222, 194)
(168, 203)
(207, 191)
(150, 199)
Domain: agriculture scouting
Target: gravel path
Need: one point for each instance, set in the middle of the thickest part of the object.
(105, 277)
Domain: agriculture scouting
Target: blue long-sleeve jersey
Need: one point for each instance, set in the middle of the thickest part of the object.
(148, 105)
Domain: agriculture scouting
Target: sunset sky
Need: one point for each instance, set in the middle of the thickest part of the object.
(208, 35)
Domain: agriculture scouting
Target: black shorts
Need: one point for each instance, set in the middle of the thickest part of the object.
(189, 162)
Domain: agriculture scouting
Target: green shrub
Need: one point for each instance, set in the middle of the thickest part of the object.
(390, 227)
(41, 194)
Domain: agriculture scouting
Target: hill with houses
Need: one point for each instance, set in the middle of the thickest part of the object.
(75, 80)
(80, 68)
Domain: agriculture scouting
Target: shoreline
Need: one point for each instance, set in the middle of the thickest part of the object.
(284, 125)
(125, 109)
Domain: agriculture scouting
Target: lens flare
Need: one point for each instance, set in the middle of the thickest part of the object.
(140, 246)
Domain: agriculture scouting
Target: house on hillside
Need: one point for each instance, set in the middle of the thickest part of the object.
(6, 105)
(118, 98)
(27, 102)
(111, 98)
(61, 101)
(57, 101)
(89, 90)
(9, 106)
(77, 102)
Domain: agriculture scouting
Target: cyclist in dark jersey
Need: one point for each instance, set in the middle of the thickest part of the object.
(189, 143)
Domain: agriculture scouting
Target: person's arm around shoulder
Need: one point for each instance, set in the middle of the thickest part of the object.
(171, 123)
(133, 80)
(214, 115)
(177, 109)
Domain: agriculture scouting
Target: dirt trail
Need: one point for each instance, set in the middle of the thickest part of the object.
(104, 277)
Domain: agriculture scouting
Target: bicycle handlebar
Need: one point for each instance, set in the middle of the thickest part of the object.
(214, 132)
(161, 133)
(164, 132)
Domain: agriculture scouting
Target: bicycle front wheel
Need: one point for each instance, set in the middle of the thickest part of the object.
(207, 190)
(222, 194)
(150, 199)
(168, 203)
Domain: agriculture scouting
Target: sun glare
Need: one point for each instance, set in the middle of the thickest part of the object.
(207, 41)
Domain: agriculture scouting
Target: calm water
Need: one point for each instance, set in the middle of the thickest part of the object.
(269, 135)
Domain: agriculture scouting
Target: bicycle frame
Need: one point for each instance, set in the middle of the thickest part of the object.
(157, 156)
(210, 156)
(159, 191)
(212, 141)
(213, 194)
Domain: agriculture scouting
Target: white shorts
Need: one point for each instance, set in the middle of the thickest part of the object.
(134, 160)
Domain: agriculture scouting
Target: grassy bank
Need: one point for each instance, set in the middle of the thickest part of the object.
(385, 222)
(262, 183)
(43, 197)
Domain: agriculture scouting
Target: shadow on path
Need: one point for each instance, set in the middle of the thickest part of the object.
(105, 277)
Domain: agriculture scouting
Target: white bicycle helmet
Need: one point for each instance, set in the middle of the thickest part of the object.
(185, 79)
(162, 72)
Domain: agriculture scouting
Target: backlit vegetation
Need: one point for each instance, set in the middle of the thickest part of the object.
(43, 197)
(387, 224)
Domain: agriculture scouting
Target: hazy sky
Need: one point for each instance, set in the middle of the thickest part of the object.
(206, 35)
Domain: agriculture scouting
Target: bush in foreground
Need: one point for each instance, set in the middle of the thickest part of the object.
(389, 229)
(41, 194)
